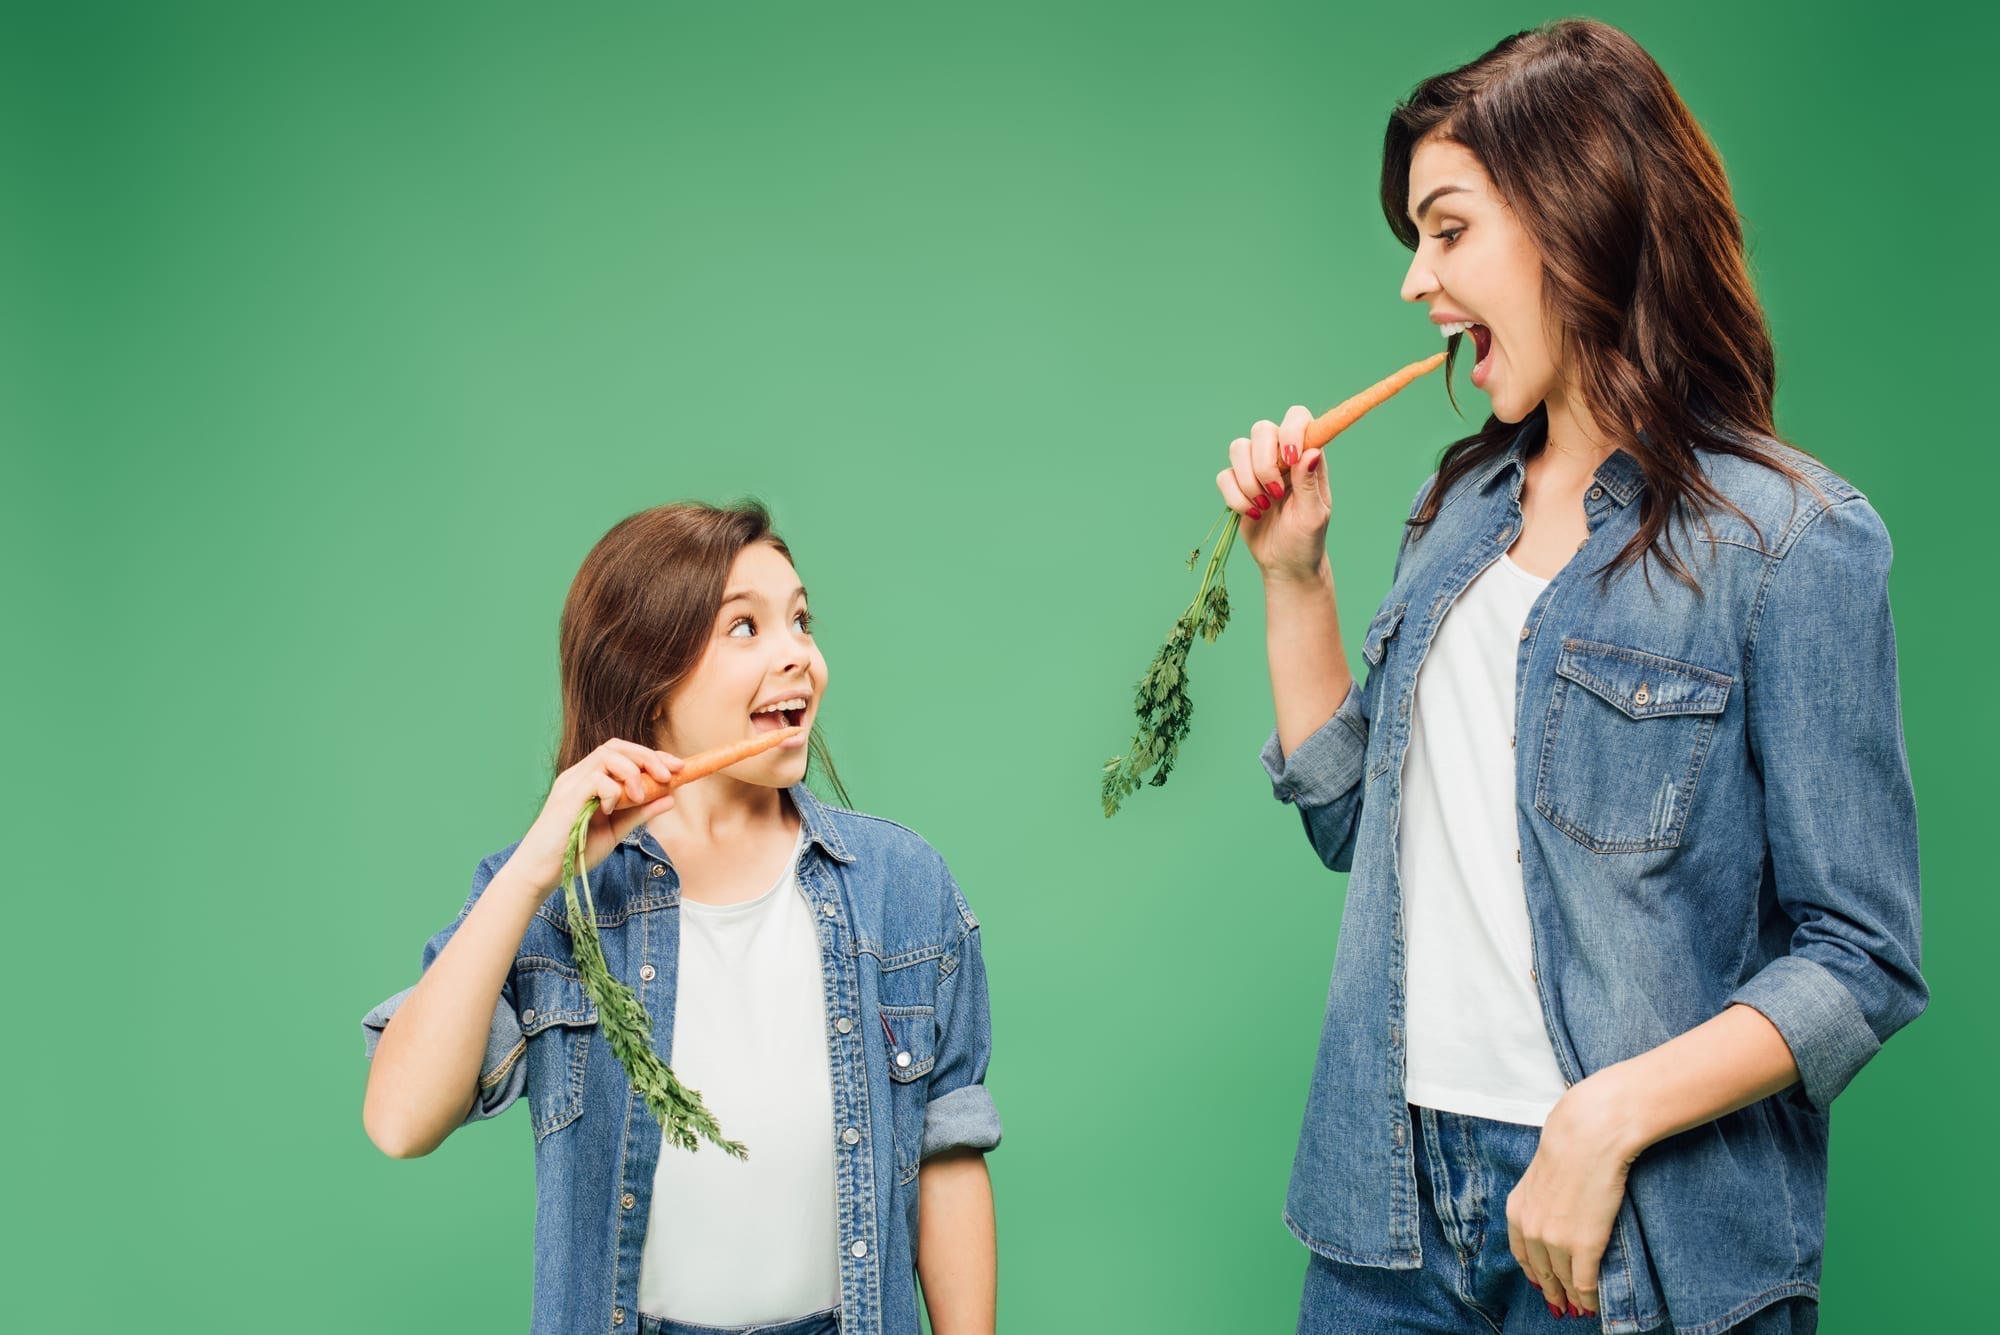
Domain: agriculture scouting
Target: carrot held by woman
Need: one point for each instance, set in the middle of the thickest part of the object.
(1161, 700)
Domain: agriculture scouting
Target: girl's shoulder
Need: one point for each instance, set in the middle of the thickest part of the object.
(888, 866)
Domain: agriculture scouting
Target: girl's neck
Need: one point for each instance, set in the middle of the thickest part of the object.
(724, 812)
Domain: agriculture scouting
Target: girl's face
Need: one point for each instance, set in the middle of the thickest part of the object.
(1476, 265)
(760, 672)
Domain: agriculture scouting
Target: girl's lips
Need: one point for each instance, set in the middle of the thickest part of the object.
(777, 719)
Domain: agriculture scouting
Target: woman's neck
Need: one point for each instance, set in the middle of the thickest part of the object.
(1574, 448)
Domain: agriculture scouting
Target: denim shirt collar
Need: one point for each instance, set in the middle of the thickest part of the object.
(812, 816)
(1619, 475)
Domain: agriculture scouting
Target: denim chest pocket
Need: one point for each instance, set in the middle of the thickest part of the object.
(1375, 649)
(558, 1019)
(909, 1037)
(1627, 733)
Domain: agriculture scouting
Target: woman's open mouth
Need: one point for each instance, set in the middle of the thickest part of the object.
(1482, 343)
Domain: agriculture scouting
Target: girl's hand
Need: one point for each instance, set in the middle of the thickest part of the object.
(1560, 1214)
(617, 774)
(1280, 489)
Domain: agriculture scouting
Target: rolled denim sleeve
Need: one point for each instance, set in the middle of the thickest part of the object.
(1825, 723)
(502, 1073)
(1322, 778)
(959, 1112)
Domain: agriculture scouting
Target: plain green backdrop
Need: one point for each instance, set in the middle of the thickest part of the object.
(335, 335)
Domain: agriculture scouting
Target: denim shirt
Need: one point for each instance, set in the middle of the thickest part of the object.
(1713, 807)
(899, 952)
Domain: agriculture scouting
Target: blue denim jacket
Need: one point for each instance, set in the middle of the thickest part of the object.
(898, 945)
(1713, 806)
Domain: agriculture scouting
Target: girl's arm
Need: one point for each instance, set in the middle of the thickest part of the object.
(957, 1257)
(424, 1076)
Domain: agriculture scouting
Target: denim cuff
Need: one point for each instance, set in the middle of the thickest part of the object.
(1820, 1020)
(1326, 765)
(964, 1119)
(502, 1075)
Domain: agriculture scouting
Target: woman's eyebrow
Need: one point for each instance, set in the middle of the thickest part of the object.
(1432, 198)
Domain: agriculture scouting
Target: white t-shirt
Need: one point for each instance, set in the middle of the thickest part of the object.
(734, 1242)
(1477, 1041)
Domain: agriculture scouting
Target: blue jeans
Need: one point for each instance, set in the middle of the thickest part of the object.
(1469, 1282)
(819, 1323)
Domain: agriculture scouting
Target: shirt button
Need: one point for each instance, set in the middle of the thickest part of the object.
(844, 1025)
(617, 1316)
(1642, 695)
(647, 973)
(1597, 493)
(627, 1201)
(902, 1059)
(1524, 632)
(528, 1015)
(850, 1137)
(859, 1249)
(658, 870)
(827, 909)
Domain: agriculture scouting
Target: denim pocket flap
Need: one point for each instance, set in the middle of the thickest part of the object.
(911, 1032)
(547, 993)
(1642, 685)
(1379, 630)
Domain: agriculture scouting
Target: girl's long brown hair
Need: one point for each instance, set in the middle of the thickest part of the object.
(639, 617)
(1642, 260)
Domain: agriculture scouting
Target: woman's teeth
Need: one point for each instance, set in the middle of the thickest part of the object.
(1455, 328)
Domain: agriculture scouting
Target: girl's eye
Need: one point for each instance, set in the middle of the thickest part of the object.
(804, 621)
(1449, 235)
(742, 628)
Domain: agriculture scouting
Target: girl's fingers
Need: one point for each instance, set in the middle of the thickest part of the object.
(1264, 462)
(626, 771)
(606, 790)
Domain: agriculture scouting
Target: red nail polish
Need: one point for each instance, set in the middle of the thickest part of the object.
(1277, 489)
(1312, 464)
(1261, 501)
(1254, 512)
(1536, 1287)
(1553, 1309)
(1291, 456)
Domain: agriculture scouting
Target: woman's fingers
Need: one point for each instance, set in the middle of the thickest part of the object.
(1264, 461)
(1242, 462)
(1583, 1280)
(1230, 481)
(1292, 436)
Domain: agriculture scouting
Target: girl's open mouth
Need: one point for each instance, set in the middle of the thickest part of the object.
(779, 714)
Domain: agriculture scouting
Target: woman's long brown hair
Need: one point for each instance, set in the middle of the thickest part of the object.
(639, 616)
(1642, 260)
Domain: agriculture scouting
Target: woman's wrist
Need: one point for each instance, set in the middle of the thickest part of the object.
(1288, 579)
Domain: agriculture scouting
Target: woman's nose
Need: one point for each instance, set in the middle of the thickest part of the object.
(1419, 282)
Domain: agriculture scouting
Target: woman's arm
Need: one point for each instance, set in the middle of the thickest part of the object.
(957, 1256)
(1559, 1216)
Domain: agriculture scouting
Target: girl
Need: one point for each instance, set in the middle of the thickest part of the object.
(815, 973)
(1624, 795)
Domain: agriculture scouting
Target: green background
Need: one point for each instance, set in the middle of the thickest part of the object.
(335, 335)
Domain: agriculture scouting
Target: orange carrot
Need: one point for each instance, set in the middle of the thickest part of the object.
(721, 758)
(1333, 421)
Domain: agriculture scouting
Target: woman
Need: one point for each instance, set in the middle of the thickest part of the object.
(1624, 795)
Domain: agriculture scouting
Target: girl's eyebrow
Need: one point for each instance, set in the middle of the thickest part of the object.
(1432, 198)
(751, 596)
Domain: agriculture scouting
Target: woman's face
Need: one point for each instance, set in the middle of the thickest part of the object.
(760, 654)
(1475, 265)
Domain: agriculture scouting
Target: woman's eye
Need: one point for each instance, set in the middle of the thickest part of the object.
(1449, 235)
(742, 628)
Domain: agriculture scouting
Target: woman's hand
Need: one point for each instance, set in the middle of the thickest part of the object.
(1280, 489)
(1559, 1215)
(619, 774)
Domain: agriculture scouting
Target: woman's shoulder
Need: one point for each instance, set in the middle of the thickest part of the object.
(1779, 493)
